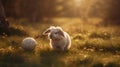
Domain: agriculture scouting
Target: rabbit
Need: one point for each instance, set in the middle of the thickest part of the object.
(59, 39)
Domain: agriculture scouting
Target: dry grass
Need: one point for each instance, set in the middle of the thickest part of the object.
(93, 45)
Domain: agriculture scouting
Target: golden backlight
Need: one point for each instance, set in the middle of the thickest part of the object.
(93, 26)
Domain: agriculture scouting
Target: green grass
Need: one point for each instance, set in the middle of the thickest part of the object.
(92, 45)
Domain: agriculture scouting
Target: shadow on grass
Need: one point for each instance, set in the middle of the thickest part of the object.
(98, 64)
(14, 32)
(50, 58)
(81, 62)
(18, 32)
(112, 64)
(102, 48)
(11, 55)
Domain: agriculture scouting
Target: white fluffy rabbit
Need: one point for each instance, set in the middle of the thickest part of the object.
(59, 40)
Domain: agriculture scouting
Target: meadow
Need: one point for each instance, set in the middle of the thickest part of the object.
(93, 44)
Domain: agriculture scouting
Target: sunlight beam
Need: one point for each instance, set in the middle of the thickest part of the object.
(78, 2)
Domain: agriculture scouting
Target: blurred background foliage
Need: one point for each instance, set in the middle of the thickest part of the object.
(37, 10)
(93, 43)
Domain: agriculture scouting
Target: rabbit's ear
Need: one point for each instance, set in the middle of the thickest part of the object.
(60, 32)
(52, 27)
(46, 32)
(59, 28)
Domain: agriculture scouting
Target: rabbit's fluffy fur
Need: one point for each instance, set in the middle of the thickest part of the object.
(59, 40)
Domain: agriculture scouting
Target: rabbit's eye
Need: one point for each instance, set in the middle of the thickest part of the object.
(55, 32)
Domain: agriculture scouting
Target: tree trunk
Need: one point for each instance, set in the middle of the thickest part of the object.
(2, 12)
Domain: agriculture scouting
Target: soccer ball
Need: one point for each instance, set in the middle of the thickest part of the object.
(29, 43)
